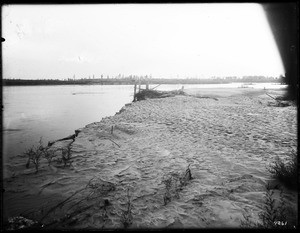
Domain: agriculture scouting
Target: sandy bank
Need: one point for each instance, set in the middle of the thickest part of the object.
(227, 142)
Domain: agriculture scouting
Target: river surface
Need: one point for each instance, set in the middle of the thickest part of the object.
(54, 112)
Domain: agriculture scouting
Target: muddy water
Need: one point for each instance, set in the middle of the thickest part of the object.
(54, 112)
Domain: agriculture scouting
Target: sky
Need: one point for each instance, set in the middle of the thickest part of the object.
(161, 40)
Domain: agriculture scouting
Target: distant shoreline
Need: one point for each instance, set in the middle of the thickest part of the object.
(29, 82)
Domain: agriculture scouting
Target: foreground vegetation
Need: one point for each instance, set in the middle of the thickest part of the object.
(286, 172)
(276, 214)
(35, 154)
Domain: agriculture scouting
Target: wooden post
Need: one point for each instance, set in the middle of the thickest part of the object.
(147, 85)
(134, 92)
(139, 84)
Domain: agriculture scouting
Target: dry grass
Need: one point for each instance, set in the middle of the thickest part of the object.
(36, 153)
(126, 217)
(286, 173)
(273, 216)
(174, 183)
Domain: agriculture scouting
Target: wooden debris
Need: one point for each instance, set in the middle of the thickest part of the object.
(152, 94)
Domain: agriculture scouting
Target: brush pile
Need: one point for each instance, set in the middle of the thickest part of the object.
(152, 94)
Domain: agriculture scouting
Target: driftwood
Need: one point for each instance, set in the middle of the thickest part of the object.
(70, 216)
(106, 137)
(68, 138)
(279, 102)
(65, 201)
(152, 94)
(204, 97)
(61, 204)
(77, 131)
(272, 97)
(73, 136)
(113, 142)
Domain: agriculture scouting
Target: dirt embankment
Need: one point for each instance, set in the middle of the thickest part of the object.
(227, 142)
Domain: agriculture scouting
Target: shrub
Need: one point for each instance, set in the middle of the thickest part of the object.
(126, 217)
(285, 172)
(34, 155)
(49, 155)
(66, 156)
(273, 215)
(174, 183)
(168, 184)
(186, 176)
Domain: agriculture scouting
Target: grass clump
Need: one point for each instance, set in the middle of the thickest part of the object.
(273, 216)
(126, 217)
(174, 183)
(49, 155)
(286, 173)
(168, 185)
(34, 155)
(66, 156)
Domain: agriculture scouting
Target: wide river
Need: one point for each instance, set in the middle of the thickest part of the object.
(54, 112)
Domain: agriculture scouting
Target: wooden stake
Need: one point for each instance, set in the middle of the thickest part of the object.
(139, 84)
(134, 93)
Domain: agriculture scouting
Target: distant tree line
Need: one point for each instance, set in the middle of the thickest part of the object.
(132, 79)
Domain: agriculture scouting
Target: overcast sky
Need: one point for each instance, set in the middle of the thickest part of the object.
(164, 40)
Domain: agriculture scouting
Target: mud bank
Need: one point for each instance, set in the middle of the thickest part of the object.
(124, 161)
